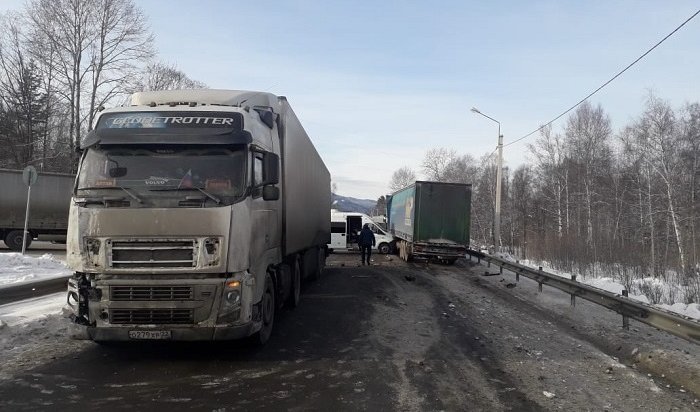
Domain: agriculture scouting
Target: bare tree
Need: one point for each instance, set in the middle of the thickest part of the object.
(436, 161)
(548, 153)
(657, 141)
(401, 178)
(162, 76)
(94, 47)
(122, 42)
(460, 169)
(588, 131)
(22, 101)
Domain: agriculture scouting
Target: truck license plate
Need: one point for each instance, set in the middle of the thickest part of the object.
(150, 334)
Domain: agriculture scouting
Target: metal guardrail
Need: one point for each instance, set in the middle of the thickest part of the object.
(14, 293)
(682, 326)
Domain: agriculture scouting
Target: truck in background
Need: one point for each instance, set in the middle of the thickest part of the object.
(48, 209)
(431, 220)
(196, 215)
(345, 227)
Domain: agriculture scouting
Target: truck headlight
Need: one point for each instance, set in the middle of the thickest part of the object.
(230, 308)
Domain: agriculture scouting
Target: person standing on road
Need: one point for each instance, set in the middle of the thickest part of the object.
(366, 242)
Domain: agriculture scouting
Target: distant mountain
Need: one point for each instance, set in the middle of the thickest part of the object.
(350, 204)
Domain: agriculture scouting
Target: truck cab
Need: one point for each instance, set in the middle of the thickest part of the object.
(345, 227)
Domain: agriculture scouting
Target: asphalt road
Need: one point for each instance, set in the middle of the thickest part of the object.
(392, 336)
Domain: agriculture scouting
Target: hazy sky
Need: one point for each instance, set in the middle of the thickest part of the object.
(377, 83)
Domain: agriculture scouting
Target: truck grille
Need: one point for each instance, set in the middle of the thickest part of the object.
(153, 254)
(144, 293)
(151, 316)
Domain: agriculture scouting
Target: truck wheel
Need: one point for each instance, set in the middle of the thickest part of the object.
(13, 240)
(267, 308)
(320, 264)
(384, 248)
(295, 295)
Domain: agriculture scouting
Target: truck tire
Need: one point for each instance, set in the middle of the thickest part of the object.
(267, 315)
(13, 240)
(384, 248)
(321, 262)
(295, 293)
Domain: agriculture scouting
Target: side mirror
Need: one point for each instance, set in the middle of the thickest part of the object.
(271, 165)
(270, 192)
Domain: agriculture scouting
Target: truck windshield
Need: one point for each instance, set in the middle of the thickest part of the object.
(214, 175)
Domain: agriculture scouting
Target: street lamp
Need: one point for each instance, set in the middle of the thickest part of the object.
(497, 217)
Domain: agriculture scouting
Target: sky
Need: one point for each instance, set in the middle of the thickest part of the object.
(378, 83)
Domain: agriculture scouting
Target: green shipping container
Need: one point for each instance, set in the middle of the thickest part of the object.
(431, 213)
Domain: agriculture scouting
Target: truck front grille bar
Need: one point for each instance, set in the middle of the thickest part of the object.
(146, 293)
(151, 316)
(152, 254)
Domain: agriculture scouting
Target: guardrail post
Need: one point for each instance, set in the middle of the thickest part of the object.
(488, 264)
(500, 270)
(573, 296)
(540, 283)
(625, 319)
(478, 259)
(517, 272)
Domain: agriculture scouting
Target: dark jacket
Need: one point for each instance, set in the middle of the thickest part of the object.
(366, 237)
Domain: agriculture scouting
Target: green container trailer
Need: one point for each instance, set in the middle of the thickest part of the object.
(431, 220)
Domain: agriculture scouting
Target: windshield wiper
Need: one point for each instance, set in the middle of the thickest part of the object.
(133, 196)
(204, 192)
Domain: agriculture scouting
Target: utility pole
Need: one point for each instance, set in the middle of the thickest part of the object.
(499, 177)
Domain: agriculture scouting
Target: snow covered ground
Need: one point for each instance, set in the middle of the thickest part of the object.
(15, 268)
(34, 323)
(611, 285)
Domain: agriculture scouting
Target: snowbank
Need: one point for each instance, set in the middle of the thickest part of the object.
(15, 268)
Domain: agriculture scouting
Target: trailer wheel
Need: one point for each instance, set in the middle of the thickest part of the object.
(267, 308)
(13, 240)
(384, 248)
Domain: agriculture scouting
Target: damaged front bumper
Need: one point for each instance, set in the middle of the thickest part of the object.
(175, 307)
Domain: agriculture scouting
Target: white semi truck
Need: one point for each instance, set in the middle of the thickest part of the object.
(195, 216)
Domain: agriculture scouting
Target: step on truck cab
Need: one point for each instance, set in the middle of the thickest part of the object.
(345, 227)
(195, 216)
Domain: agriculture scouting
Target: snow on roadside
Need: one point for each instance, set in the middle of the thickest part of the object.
(28, 310)
(16, 269)
(611, 285)
(34, 331)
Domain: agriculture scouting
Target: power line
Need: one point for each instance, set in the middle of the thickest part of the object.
(606, 83)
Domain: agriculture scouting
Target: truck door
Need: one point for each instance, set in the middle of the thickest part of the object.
(338, 235)
(354, 227)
